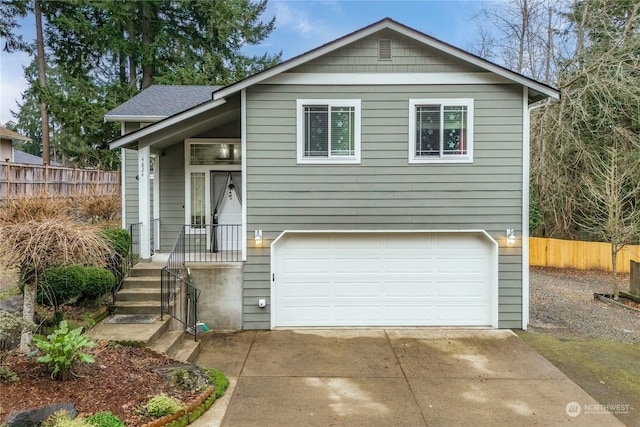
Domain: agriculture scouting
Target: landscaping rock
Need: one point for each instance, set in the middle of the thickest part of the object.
(33, 417)
(187, 377)
(12, 305)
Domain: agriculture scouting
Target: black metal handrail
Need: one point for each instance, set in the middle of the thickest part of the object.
(134, 246)
(178, 296)
(213, 242)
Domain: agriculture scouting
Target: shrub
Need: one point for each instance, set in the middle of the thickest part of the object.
(99, 282)
(159, 406)
(61, 284)
(96, 207)
(63, 419)
(105, 419)
(62, 348)
(119, 240)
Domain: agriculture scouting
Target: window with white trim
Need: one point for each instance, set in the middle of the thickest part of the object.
(328, 131)
(441, 130)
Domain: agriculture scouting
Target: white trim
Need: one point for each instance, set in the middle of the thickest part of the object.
(123, 192)
(494, 299)
(148, 130)
(526, 196)
(336, 79)
(453, 158)
(300, 134)
(144, 216)
(133, 118)
(372, 29)
(206, 169)
(243, 147)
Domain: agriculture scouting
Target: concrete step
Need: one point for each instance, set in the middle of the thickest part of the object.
(138, 294)
(169, 342)
(142, 282)
(147, 333)
(178, 345)
(145, 272)
(137, 307)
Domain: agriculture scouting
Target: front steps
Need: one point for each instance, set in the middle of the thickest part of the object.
(140, 294)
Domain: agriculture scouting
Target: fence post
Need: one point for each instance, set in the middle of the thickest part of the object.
(8, 180)
(634, 277)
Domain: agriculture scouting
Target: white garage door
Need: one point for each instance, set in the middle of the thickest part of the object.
(384, 279)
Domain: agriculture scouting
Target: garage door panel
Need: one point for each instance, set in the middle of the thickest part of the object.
(345, 264)
(308, 290)
(379, 279)
(407, 264)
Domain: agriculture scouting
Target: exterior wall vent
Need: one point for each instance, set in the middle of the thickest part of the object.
(384, 49)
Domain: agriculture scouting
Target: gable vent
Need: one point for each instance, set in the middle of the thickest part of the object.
(384, 49)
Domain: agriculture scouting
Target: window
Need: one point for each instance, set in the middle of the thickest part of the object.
(328, 131)
(440, 130)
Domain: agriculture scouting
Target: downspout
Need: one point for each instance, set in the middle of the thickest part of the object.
(526, 172)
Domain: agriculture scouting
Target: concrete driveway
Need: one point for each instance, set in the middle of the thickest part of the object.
(390, 377)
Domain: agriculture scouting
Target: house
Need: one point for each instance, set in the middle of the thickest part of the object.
(7, 138)
(378, 180)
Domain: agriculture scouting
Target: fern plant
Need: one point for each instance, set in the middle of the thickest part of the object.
(62, 348)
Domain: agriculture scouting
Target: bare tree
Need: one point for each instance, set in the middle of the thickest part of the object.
(611, 190)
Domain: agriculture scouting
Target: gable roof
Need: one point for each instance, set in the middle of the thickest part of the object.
(537, 90)
(158, 102)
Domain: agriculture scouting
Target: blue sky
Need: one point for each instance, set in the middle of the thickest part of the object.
(302, 25)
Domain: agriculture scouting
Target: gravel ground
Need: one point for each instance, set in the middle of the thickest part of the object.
(562, 303)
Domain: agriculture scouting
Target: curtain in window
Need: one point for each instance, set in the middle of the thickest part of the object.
(428, 130)
(316, 131)
(342, 131)
(198, 209)
(455, 133)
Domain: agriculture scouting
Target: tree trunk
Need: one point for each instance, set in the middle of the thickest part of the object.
(147, 48)
(614, 268)
(42, 77)
(28, 313)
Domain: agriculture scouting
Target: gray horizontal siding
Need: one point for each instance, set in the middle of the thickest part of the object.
(384, 191)
(130, 184)
(171, 195)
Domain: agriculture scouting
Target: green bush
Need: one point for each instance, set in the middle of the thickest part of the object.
(105, 419)
(61, 284)
(119, 240)
(63, 419)
(159, 406)
(220, 381)
(62, 348)
(99, 282)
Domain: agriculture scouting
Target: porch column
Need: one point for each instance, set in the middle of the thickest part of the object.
(144, 200)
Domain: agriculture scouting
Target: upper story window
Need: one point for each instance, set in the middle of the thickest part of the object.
(328, 131)
(441, 130)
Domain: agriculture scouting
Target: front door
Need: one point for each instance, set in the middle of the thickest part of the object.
(226, 188)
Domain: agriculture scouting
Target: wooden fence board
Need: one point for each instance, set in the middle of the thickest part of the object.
(579, 255)
(19, 179)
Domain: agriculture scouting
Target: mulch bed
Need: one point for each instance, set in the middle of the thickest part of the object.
(119, 381)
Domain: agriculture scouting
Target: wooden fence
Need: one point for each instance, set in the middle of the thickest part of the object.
(18, 179)
(579, 255)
